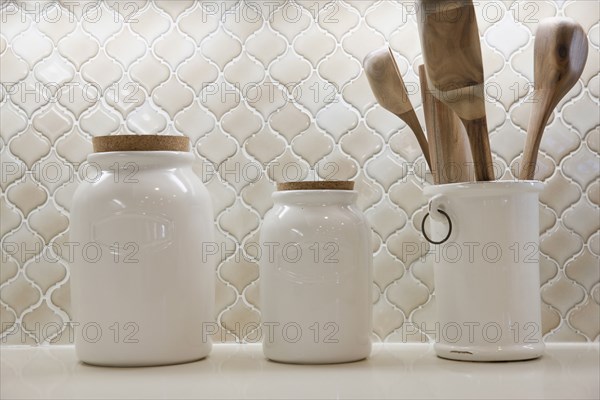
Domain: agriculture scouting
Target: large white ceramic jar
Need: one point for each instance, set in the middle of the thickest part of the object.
(486, 268)
(142, 287)
(316, 275)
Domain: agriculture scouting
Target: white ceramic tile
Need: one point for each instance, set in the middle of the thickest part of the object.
(29, 146)
(239, 220)
(145, 120)
(337, 119)
(253, 195)
(405, 40)
(53, 122)
(358, 94)
(99, 120)
(290, 20)
(12, 67)
(337, 18)
(245, 20)
(48, 222)
(339, 68)
(150, 24)
(172, 96)
(125, 47)
(241, 123)
(194, 122)
(386, 269)
(507, 36)
(279, 89)
(30, 95)
(54, 71)
(361, 144)
(265, 45)
(12, 121)
(101, 23)
(581, 269)
(407, 293)
(78, 47)
(290, 69)
(387, 168)
(74, 147)
(56, 23)
(315, 44)
(14, 21)
(174, 8)
(362, 41)
(32, 46)
(149, 72)
(312, 145)
(289, 121)
(216, 147)
(174, 55)
(562, 293)
(52, 172)
(336, 166)
(102, 71)
(244, 73)
(20, 294)
(265, 145)
(222, 48)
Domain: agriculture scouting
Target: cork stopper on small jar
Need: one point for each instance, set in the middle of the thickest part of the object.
(316, 185)
(140, 143)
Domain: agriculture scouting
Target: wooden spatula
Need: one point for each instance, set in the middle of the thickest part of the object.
(560, 53)
(389, 90)
(452, 54)
(448, 143)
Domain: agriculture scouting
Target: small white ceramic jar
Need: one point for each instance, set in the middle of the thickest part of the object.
(316, 275)
(142, 288)
(486, 270)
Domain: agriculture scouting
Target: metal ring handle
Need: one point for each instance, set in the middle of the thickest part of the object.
(449, 228)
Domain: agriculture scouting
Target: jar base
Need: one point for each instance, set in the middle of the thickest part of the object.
(315, 362)
(134, 364)
(486, 354)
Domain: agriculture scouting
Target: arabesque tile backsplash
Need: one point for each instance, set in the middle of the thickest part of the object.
(267, 91)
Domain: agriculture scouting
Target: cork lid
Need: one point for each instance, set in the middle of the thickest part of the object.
(140, 143)
(316, 185)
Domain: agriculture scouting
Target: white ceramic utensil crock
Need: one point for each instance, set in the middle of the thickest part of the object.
(316, 275)
(141, 287)
(486, 270)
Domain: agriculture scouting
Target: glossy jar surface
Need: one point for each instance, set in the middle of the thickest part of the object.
(315, 278)
(486, 271)
(142, 289)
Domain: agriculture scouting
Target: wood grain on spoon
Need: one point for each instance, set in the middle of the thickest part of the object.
(448, 143)
(389, 90)
(452, 54)
(560, 53)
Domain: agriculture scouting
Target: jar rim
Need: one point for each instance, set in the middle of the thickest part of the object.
(122, 143)
(315, 196)
(315, 185)
(145, 159)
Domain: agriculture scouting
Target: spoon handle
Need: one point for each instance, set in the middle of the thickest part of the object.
(480, 148)
(540, 114)
(448, 144)
(410, 117)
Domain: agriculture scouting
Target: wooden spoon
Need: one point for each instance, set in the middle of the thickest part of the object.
(448, 142)
(452, 54)
(389, 90)
(560, 53)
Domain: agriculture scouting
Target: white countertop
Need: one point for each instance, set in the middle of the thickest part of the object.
(240, 371)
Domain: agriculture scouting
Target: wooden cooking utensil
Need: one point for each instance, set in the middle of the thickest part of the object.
(560, 53)
(389, 90)
(448, 143)
(452, 54)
